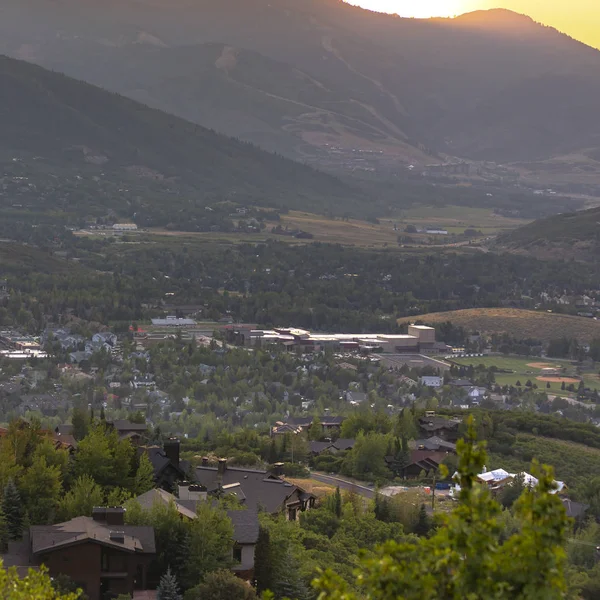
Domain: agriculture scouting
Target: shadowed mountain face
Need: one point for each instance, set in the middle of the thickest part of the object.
(565, 236)
(302, 76)
(70, 150)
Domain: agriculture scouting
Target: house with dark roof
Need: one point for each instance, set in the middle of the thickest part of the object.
(461, 383)
(167, 465)
(419, 462)
(575, 510)
(434, 443)
(300, 424)
(60, 442)
(245, 523)
(446, 429)
(255, 489)
(103, 556)
(340, 445)
(135, 432)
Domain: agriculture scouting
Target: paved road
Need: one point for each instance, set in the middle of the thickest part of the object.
(345, 484)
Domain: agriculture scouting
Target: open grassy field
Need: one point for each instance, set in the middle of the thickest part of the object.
(521, 323)
(530, 368)
(352, 232)
(455, 219)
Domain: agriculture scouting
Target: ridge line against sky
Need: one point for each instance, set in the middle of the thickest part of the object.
(578, 18)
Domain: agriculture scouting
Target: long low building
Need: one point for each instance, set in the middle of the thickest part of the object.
(418, 339)
(172, 321)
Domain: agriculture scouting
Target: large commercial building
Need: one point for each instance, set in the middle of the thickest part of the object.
(419, 339)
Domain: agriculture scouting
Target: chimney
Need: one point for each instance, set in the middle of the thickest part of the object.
(182, 490)
(99, 514)
(172, 447)
(111, 515)
(221, 468)
(278, 469)
(205, 461)
(196, 492)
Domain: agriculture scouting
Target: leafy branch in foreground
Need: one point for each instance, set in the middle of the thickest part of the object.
(36, 585)
(466, 557)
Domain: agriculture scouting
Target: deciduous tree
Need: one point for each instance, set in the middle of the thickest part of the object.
(36, 585)
(80, 499)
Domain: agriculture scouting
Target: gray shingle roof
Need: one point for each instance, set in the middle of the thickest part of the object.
(435, 443)
(344, 444)
(45, 538)
(245, 522)
(261, 488)
(245, 525)
(125, 425)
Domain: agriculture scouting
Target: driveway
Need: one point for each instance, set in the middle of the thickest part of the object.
(345, 484)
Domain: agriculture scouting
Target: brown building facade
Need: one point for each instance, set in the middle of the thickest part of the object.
(101, 555)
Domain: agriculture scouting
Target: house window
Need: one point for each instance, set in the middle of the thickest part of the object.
(237, 554)
(292, 513)
(105, 562)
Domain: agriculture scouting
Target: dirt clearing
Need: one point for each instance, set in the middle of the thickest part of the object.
(559, 379)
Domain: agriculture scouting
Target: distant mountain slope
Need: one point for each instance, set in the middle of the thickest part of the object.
(570, 235)
(304, 75)
(70, 149)
(524, 323)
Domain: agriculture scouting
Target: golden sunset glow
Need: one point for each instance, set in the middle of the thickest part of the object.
(578, 18)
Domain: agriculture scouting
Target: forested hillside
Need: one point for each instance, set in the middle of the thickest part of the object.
(570, 235)
(72, 150)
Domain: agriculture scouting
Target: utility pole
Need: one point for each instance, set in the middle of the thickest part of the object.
(433, 494)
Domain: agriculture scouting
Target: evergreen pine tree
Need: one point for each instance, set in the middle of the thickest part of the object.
(273, 456)
(12, 508)
(168, 588)
(3, 532)
(423, 525)
(263, 569)
(382, 508)
(337, 502)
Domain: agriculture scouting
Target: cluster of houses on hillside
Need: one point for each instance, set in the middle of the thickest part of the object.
(103, 556)
(78, 347)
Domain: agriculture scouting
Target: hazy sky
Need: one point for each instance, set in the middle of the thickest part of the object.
(579, 18)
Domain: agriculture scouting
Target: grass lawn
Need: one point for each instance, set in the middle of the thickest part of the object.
(318, 488)
(529, 368)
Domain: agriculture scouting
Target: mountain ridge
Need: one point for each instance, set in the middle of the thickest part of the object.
(421, 79)
(69, 147)
(574, 236)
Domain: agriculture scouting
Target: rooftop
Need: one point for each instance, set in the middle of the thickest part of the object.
(261, 488)
(47, 538)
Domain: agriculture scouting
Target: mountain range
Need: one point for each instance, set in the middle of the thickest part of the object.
(318, 79)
